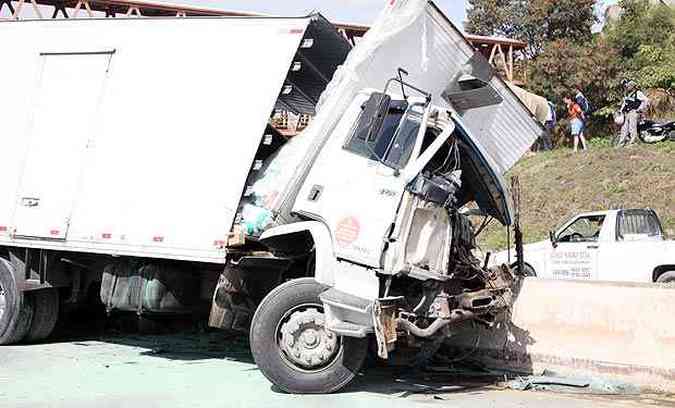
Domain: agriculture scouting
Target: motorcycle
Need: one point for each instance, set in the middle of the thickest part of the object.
(654, 132)
(649, 131)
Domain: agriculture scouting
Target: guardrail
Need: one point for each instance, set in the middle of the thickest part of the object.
(616, 330)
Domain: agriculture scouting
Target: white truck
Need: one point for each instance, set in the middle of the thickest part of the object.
(615, 245)
(141, 166)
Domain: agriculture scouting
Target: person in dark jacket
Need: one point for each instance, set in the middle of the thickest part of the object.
(635, 104)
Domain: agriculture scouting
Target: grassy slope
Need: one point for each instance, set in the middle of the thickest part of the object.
(556, 185)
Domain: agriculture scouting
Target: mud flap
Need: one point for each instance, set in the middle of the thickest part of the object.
(384, 321)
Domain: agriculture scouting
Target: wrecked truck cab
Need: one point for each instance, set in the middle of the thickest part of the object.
(392, 252)
(371, 211)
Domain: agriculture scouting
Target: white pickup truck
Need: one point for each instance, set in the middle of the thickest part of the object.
(615, 245)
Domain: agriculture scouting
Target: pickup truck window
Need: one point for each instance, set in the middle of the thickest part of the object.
(584, 229)
(637, 222)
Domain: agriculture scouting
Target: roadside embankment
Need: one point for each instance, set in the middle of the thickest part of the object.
(559, 184)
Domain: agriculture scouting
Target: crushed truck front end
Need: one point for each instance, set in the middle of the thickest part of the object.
(368, 235)
(392, 251)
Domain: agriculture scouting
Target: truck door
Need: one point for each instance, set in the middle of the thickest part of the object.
(69, 89)
(576, 253)
(356, 185)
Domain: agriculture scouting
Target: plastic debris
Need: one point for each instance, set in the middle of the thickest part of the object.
(276, 172)
(552, 382)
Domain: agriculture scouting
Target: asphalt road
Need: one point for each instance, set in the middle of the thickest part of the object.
(209, 370)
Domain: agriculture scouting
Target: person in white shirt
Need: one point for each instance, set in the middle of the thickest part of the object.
(549, 124)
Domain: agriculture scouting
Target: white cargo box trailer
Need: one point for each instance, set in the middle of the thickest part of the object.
(136, 137)
(126, 162)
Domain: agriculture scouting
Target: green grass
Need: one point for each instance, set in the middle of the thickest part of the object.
(556, 185)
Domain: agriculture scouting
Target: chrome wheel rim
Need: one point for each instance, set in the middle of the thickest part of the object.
(303, 341)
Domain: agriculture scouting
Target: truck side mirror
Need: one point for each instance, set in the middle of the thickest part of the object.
(554, 242)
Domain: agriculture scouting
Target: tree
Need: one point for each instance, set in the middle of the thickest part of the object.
(554, 20)
(640, 25)
(536, 22)
(562, 66)
(644, 39)
(491, 17)
(654, 66)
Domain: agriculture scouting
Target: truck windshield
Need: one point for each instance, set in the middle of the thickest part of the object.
(393, 143)
(402, 144)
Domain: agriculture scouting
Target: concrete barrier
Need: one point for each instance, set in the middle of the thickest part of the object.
(619, 330)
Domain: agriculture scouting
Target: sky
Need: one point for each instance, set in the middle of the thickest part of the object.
(337, 11)
(341, 11)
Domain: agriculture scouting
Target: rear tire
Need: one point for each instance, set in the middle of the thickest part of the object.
(15, 313)
(295, 306)
(45, 314)
(666, 277)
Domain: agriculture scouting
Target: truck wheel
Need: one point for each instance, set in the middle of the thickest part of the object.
(528, 270)
(14, 319)
(45, 314)
(292, 347)
(667, 277)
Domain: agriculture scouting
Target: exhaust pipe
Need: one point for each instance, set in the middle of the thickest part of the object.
(456, 316)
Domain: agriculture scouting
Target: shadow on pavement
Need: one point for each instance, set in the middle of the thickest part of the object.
(402, 384)
(186, 339)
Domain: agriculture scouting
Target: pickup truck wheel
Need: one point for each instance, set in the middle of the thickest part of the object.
(45, 314)
(14, 319)
(667, 277)
(292, 347)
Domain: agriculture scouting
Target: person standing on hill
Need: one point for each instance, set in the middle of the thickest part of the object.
(549, 125)
(634, 105)
(575, 116)
(585, 106)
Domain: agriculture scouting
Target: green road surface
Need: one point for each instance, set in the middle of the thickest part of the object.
(210, 371)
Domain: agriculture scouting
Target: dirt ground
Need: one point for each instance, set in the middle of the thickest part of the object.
(213, 370)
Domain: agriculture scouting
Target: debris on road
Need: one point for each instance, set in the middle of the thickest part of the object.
(553, 382)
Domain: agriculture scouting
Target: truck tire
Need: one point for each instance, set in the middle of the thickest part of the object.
(45, 314)
(15, 316)
(528, 270)
(294, 350)
(666, 277)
